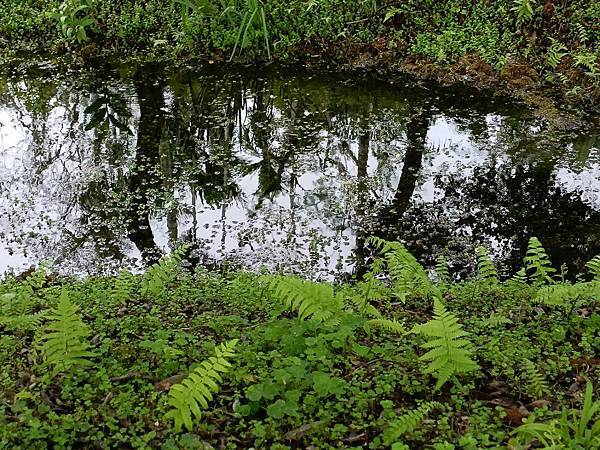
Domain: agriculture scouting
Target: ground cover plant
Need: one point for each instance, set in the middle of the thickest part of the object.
(404, 358)
(524, 42)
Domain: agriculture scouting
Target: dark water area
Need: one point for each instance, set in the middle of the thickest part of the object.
(111, 169)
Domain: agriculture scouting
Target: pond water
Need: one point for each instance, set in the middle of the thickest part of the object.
(111, 169)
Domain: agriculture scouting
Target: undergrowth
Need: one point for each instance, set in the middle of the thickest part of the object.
(403, 358)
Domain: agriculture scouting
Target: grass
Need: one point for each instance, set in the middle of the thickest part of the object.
(293, 383)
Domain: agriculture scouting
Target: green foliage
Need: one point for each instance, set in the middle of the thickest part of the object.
(18, 307)
(536, 383)
(441, 269)
(538, 263)
(450, 352)
(574, 429)
(408, 422)
(123, 287)
(523, 9)
(310, 300)
(297, 382)
(594, 267)
(65, 339)
(485, 266)
(253, 17)
(75, 20)
(159, 275)
(192, 395)
(404, 270)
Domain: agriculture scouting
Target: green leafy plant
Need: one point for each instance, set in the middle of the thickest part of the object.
(594, 267)
(485, 266)
(252, 18)
(408, 422)
(192, 395)
(159, 275)
(404, 270)
(310, 300)
(574, 429)
(536, 382)
(19, 308)
(524, 10)
(538, 263)
(450, 353)
(65, 339)
(75, 20)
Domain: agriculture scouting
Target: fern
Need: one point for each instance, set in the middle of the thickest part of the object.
(192, 395)
(485, 266)
(404, 270)
(441, 269)
(18, 308)
(391, 326)
(566, 294)
(159, 275)
(538, 263)
(310, 300)
(123, 287)
(65, 343)
(496, 320)
(536, 383)
(519, 279)
(408, 422)
(594, 267)
(556, 53)
(450, 353)
(524, 10)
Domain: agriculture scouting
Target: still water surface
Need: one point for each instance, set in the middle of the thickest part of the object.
(111, 169)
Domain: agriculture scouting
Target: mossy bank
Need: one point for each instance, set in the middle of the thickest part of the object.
(521, 46)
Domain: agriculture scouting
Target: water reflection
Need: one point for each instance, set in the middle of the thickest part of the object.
(111, 170)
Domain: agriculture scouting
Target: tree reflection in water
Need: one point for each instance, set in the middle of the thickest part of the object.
(292, 172)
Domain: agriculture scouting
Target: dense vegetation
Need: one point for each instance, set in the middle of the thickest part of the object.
(405, 357)
(525, 42)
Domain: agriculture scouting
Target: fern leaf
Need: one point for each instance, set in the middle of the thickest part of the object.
(519, 279)
(388, 325)
(538, 263)
(408, 422)
(536, 383)
(594, 267)
(123, 287)
(485, 266)
(310, 300)
(188, 398)
(442, 273)
(404, 270)
(160, 275)
(65, 344)
(450, 353)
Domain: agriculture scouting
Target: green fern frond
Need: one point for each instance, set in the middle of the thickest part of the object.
(408, 422)
(450, 352)
(160, 275)
(442, 273)
(485, 266)
(538, 263)
(536, 383)
(309, 299)
(19, 309)
(391, 326)
(192, 395)
(404, 270)
(371, 288)
(565, 294)
(519, 279)
(65, 344)
(496, 320)
(594, 267)
(123, 287)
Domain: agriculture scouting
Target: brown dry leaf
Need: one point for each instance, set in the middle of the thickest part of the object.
(166, 384)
